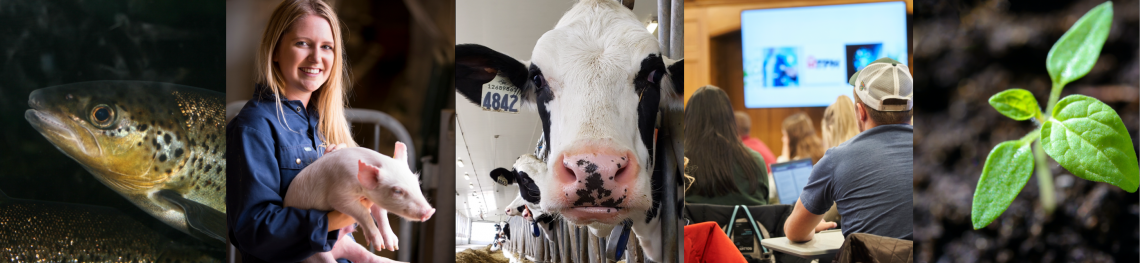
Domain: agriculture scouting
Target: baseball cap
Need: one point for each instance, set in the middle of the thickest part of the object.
(884, 79)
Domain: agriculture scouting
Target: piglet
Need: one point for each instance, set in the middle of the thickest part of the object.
(341, 179)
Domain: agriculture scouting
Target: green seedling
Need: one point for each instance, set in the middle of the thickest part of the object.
(1081, 133)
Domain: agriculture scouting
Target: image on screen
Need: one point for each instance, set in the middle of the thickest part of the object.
(804, 56)
(859, 56)
(791, 177)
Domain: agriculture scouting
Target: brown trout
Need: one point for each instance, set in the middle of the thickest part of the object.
(40, 231)
(160, 145)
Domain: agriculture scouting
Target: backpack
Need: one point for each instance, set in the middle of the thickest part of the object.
(748, 235)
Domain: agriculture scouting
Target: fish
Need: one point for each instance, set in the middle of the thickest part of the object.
(159, 145)
(42, 231)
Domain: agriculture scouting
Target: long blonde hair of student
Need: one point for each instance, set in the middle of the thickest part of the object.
(838, 122)
(329, 99)
(802, 141)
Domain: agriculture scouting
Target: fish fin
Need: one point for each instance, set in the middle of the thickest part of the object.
(203, 221)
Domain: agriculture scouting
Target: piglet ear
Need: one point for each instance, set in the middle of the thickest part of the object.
(401, 152)
(368, 175)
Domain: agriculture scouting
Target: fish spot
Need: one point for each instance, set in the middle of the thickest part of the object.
(143, 127)
(168, 171)
(178, 154)
(162, 158)
(166, 138)
(140, 144)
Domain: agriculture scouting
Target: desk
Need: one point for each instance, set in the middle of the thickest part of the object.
(823, 246)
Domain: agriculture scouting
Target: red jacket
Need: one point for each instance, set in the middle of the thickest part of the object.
(706, 242)
(761, 148)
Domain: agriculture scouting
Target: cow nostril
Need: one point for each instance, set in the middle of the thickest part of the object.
(569, 172)
(619, 172)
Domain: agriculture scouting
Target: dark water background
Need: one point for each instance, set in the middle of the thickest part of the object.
(966, 51)
(47, 43)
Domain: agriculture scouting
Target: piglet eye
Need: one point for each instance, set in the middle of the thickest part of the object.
(398, 191)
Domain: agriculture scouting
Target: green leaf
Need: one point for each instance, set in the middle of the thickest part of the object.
(1087, 138)
(1075, 53)
(1018, 104)
(1007, 169)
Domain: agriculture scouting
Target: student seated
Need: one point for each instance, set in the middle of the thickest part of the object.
(870, 176)
(725, 172)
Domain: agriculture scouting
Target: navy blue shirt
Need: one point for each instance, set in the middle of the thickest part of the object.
(264, 155)
(870, 178)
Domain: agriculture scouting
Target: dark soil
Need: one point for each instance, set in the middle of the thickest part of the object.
(966, 51)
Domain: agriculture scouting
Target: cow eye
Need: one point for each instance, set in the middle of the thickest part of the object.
(653, 76)
(539, 81)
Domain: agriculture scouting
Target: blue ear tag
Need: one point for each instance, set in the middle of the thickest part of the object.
(619, 237)
(535, 227)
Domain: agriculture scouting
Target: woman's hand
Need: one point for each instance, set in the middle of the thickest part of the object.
(335, 147)
(338, 220)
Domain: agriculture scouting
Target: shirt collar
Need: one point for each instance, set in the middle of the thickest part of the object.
(263, 93)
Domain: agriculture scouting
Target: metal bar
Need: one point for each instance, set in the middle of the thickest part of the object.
(663, 25)
(444, 201)
(385, 120)
(677, 28)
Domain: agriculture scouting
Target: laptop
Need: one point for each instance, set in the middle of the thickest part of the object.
(790, 179)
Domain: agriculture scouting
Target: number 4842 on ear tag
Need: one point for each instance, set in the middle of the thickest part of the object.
(499, 95)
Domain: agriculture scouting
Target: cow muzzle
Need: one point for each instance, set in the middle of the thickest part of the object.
(597, 180)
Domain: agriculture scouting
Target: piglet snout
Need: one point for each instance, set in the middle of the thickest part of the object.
(427, 215)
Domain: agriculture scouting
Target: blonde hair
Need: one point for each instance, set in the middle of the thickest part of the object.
(802, 141)
(330, 99)
(839, 121)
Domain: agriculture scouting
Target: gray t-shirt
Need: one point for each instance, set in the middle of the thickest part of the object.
(870, 178)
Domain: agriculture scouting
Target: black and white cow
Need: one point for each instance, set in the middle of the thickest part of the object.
(597, 80)
(527, 203)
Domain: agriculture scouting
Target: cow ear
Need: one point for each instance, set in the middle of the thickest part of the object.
(503, 176)
(627, 4)
(673, 86)
(476, 65)
(676, 70)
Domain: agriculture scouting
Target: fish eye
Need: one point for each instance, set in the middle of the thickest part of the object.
(102, 115)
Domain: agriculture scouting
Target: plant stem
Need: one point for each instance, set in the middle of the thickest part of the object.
(1044, 177)
(1054, 95)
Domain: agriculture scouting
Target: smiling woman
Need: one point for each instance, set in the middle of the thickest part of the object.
(297, 114)
(303, 56)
